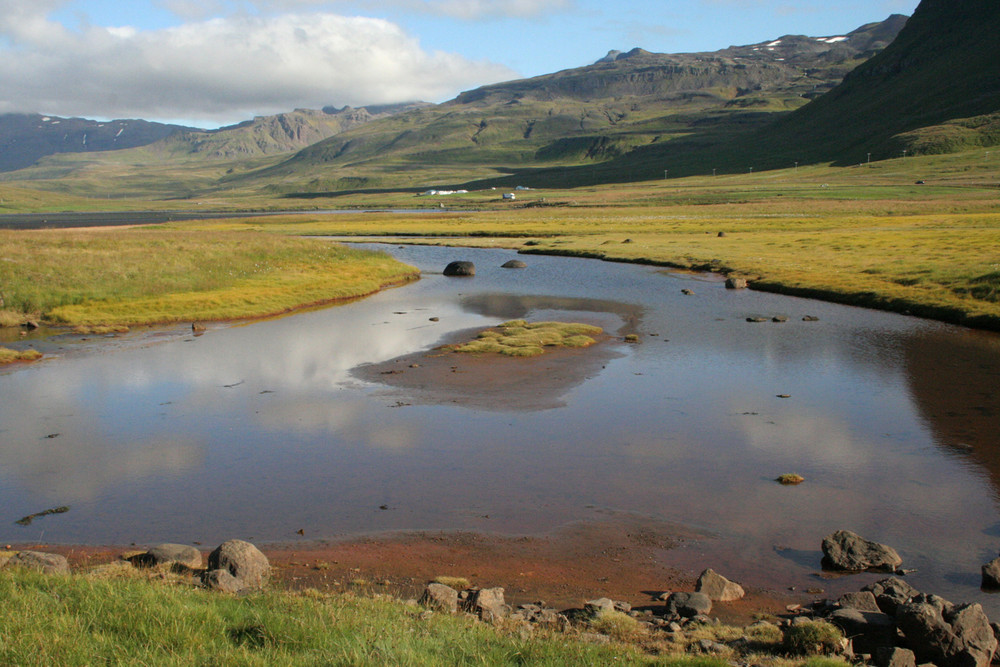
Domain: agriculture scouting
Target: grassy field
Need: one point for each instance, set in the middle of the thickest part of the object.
(870, 236)
(147, 275)
(118, 615)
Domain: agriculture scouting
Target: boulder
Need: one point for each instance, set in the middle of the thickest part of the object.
(182, 554)
(947, 634)
(717, 587)
(595, 608)
(513, 264)
(242, 560)
(736, 283)
(37, 560)
(862, 601)
(488, 604)
(460, 269)
(688, 605)
(890, 593)
(440, 598)
(868, 630)
(991, 574)
(847, 551)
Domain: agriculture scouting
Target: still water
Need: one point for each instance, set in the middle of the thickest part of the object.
(260, 430)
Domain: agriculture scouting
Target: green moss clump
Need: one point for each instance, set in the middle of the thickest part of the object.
(518, 338)
(812, 638)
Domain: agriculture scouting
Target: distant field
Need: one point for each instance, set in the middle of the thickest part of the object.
(917, 235)
(870, 236)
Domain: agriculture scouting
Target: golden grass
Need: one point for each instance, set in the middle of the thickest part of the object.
(518, 338)
(8, 356)
(117, 278)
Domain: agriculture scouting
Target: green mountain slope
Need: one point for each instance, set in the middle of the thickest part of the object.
(581, 116)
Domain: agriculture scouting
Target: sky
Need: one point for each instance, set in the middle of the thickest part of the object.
(209, 63)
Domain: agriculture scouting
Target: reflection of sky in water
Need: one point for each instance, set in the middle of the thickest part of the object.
(257, 431)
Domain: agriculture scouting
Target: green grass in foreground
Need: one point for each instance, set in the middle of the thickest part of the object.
(77, 620)
(518, 338)
(149, 275)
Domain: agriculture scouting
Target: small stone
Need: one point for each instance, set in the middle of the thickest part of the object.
(736, 283)
(183, 554)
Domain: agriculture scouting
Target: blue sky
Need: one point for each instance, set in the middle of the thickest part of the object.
(213, 62)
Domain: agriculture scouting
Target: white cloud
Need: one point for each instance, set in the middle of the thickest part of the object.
(224, 69)
(461, 9)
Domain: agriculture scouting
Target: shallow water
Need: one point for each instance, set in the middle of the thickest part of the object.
(261, 430)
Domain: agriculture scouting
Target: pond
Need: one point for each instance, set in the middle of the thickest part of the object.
(263, 430)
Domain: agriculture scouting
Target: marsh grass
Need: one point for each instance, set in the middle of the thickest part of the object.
(458, 583)
(102, 278)
(8, 356)
(518, 338)
(134, 619)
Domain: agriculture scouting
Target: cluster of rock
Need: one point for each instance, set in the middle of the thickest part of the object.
(464, 268)
(235, 566)
(899, 626)
(678, 612)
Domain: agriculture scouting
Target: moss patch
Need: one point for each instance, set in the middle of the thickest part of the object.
(8, 356)
(518, 338)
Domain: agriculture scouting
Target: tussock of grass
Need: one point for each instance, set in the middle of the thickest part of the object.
(8, 356)
(619, 626)
(812, 638)
(790, 478)
(518, 338)
(458, 583)
(101, 278)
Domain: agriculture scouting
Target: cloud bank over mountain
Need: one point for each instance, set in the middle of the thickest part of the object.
(219, 70)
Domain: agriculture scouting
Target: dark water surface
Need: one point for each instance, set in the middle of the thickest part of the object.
(260, 430)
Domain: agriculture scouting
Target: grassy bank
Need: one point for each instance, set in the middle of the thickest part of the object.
(118, 615)
(870, 237)
(147, 275)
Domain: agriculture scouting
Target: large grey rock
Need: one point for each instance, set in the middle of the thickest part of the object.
(37, 560)
(844, 550)
(440, 598)
(488, 604)
(862, 601)
(183, 554)
(688, 605)
(947, 634)
(513, 264)
(868, 630)
(242, 560)
(595, 608)
(717, 587)
(890, 593)
(991, 574)
(460, 269)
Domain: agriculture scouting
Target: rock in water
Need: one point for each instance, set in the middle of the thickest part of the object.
(513, 264)
(460, 269)
(736, 283)
(844, 550)
(991, 574)
(717, 587)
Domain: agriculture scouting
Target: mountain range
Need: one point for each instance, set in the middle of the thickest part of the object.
(925, 84)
